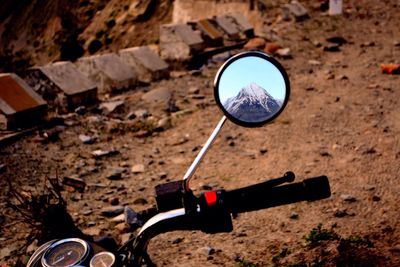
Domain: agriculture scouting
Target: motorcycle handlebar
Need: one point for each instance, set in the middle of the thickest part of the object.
(212, 209)
(262, 196)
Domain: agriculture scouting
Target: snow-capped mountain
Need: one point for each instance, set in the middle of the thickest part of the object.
(252, 104)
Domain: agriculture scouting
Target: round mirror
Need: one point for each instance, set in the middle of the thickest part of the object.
(251, 88)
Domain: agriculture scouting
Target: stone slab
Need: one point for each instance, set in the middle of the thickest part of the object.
(79, 90)
(146, 62)
(243, 24)
(172, 48)
(189, 36)
(178, 42)
(68, 78)
(228, 25)
(62, 85)
(175, 51)
(109, 72)
(19, 103)
(168, 34)
(211, 33)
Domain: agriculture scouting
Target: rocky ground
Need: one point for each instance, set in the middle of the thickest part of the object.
(342, 121)
(36, 32)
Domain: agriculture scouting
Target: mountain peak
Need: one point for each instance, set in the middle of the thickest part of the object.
(253, 103)
(253, 89)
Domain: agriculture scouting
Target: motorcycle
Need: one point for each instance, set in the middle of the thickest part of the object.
(239, 90)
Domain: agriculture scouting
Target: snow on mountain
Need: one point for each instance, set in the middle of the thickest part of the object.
(252, 104)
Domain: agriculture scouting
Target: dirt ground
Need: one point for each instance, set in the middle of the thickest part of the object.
(342, 120)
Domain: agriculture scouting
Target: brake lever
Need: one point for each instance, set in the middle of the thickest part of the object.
(288, 177)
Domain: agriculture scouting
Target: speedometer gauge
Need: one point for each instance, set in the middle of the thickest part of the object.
(103, 259)
(66, 252)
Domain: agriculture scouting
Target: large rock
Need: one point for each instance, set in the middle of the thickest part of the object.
(147, 63)
(21, 106)
(139, 10)
(112, 211)
(297, 10)
(109, 72)
(158, 95)
(62, 85)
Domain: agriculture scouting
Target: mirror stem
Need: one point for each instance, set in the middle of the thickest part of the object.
(189, 173)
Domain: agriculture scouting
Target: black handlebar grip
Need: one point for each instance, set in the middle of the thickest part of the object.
(262, 196)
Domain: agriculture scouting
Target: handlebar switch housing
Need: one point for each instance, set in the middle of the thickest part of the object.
(169, 196)
(214, 216)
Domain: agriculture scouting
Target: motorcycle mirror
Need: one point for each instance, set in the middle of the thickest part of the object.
(251, 88)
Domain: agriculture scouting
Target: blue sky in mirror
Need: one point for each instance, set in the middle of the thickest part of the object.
(247, 70)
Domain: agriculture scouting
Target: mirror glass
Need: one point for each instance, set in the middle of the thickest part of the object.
(251, 88)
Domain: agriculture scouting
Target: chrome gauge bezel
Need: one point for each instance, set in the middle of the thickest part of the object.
(101, 254)
(37, 255)
(62, 242)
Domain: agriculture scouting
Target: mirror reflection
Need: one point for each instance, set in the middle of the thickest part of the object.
(252, 89)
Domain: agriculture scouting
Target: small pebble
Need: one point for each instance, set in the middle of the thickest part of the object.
(207, 250)
(138, 168)
(114, 201)
(348, 198)
(177, 240)
(376, 198)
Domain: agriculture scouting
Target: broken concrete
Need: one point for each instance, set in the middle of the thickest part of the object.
(62, 85)
(147, 63)
(109, 72)
(178, 42)
(21, 106)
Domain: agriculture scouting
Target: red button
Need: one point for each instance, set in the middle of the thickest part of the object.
(211, 198)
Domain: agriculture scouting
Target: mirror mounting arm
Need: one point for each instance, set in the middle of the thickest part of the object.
(189, 173)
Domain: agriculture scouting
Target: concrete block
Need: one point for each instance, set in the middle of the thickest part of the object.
(178, 42)
(109, 72)
(147, 63)
(189, 36)
(212, 35)
(175, 52)
(229, 26)
(41, 84)
(172, 48)
(243, 24)
(168, 34)
(21, 106)
(63, 85)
